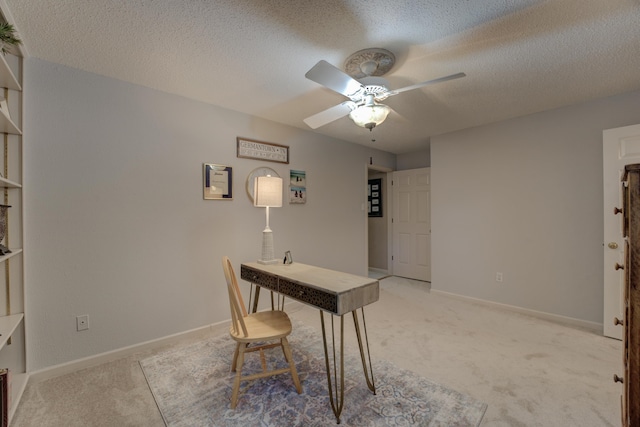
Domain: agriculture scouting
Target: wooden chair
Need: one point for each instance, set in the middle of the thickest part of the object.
(262, 328)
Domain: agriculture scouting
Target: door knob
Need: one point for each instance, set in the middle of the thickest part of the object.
(619, 267)
(613, 245)
(617, 379)
(617, 321)
(616, 211)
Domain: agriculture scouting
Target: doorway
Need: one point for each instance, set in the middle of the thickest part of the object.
(378, 214)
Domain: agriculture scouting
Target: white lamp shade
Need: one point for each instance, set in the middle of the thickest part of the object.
(368, 116)
(267, 192)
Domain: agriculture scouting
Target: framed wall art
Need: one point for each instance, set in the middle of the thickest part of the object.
(375, 197)
(259, 150)
(218, 182)
(297, 187)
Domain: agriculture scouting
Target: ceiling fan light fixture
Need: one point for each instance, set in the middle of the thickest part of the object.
(369, 116)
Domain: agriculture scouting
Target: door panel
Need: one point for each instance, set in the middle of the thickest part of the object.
(412, 224)
(404, 207)
(424, 245)
(404, 249)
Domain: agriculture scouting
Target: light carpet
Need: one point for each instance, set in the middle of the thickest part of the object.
(192, 387)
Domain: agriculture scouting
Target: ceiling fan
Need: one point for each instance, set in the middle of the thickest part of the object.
(364, 106)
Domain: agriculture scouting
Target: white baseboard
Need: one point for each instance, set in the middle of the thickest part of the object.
(109, 356)
(584, 324)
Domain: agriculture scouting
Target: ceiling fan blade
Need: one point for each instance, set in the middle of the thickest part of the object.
(428, 82)
(397, 117)
(331, 77)
(327, 116)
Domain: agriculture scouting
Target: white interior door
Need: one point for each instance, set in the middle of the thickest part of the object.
(412, 224)
(621, 146)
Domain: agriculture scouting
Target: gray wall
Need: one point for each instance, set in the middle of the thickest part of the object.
(524, 197)
(116, 226)
(417, 160)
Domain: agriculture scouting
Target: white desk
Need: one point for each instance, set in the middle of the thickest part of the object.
(330, 291)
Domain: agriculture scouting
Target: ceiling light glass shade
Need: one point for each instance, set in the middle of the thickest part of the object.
(369, 116)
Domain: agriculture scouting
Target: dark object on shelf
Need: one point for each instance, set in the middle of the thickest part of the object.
(5, 397)
(3, 228)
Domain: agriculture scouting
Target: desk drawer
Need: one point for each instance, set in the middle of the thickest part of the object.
(315, 297)
(259, 278)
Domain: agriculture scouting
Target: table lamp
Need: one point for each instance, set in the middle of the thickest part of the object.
(267, 193)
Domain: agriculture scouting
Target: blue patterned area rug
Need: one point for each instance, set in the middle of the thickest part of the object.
(192, 387)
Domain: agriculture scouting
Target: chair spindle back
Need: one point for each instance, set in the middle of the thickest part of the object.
(236, 303)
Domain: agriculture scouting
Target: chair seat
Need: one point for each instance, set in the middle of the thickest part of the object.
(264, 325)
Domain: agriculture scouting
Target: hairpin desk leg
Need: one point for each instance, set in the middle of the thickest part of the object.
(337, 402)
(256, 297)
(370, 383)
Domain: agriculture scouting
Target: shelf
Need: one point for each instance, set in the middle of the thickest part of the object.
(7, 183)
(14, 252)
(18, 384)
(6, 124)
(8, 324)
(7, 78)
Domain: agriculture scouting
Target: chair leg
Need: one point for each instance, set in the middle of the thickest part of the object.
(235, 358)
(236, 383)
(289, 356)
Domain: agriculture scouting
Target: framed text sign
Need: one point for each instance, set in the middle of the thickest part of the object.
(251, 149)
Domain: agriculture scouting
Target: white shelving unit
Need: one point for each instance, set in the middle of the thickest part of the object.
(12, 317)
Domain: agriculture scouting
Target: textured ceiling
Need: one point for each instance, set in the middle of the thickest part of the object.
(520, 56)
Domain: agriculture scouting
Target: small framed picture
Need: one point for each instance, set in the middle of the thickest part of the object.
(297, 187)
(218, 182)
(375, 197)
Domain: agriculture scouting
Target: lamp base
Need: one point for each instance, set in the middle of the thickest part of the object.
(267, 248)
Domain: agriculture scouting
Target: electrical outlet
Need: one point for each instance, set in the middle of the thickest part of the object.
(499, 276)
(82, 322)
